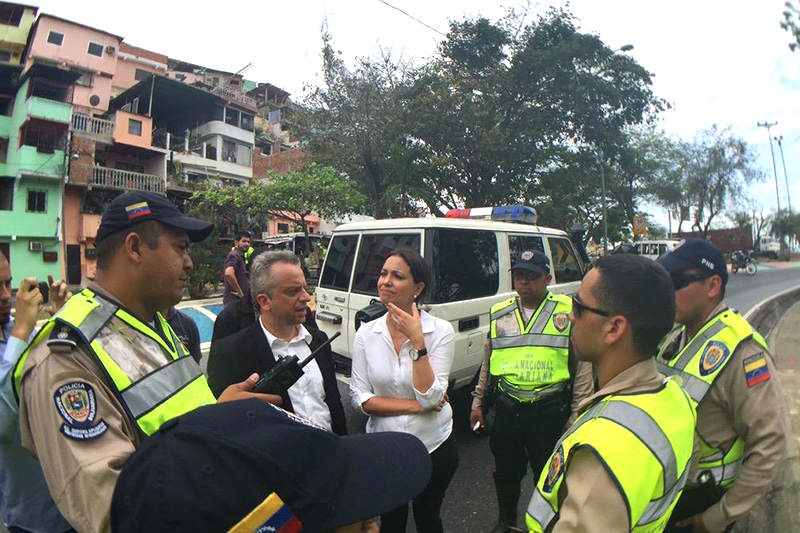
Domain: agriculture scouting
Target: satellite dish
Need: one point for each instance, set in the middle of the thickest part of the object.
(94, 100)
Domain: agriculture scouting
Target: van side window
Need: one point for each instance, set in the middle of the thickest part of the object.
(564, 261)
(375, 248)
(520, 243)
(465, 265)
(339, 262)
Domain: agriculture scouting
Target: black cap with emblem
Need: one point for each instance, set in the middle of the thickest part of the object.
(134, 207)
(533, 261)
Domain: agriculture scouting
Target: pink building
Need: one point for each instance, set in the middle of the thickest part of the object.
(134, 65)
(75, 46)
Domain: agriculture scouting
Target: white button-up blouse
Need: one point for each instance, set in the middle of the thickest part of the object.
(379, 371)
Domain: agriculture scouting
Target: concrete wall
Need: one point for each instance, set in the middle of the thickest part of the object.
(121, 135)
(13, 38)
(73, 51)
(131, 58)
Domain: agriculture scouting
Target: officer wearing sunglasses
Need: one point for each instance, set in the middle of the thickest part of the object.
(726, 368)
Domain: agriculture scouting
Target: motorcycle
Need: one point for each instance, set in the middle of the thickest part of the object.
(743, 260)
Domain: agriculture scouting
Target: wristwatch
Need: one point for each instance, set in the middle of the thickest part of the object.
(416, 354)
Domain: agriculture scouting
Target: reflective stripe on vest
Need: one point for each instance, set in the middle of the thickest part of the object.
(171, 390)
(528, 357)
(664, 458)
(730, 329)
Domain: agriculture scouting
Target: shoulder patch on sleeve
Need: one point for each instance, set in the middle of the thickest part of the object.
(756, 369)
(76, 404)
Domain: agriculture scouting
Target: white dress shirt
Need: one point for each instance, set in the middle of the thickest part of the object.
(308, 394)
(379, 371)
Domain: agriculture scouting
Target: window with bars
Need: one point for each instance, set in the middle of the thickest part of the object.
(37, 201)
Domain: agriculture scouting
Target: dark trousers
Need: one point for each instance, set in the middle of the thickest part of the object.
(427, 506)
(523, 434)
(694, 500)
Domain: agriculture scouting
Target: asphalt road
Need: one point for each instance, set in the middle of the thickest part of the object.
(470, 505)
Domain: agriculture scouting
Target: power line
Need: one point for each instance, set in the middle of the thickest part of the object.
(412, 17)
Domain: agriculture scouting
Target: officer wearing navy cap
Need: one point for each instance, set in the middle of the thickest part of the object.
(245, 467)
(726, 368)
(530, 377)
(107, 371)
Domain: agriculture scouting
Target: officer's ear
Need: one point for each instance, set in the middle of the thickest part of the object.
(714, 286)
(615, 329)
(133, 245)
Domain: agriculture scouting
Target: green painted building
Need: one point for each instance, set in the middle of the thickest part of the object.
(33, 137)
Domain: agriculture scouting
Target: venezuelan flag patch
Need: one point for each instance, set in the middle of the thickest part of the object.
(756, 369)
(137, 210)
(271, 515)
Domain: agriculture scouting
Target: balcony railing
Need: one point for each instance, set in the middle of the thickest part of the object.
(96, 128)
(236, 96)
(127, 180)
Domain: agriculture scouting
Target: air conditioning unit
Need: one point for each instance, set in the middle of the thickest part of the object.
(110, 50)
(35, 246)
(264, 235)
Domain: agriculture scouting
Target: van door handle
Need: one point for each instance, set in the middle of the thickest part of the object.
(339, 299)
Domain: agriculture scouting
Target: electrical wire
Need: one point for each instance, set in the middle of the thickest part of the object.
(412, 17)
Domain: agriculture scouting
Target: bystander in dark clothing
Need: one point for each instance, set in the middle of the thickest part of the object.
(235, 259)
(186, 330)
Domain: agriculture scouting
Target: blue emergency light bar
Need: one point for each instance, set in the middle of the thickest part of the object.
(501, 213)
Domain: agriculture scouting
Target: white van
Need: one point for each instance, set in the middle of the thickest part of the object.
(470, 260)
(656, 248)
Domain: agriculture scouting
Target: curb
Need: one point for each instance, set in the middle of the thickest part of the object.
(765, 315)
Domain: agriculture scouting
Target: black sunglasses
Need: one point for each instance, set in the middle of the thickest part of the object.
(579, 307)
(682, 279)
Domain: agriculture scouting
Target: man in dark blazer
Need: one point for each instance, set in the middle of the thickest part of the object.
(278, 285)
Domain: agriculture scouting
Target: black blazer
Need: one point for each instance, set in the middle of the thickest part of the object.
(233, 358)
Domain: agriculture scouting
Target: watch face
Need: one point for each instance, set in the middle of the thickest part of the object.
(413, 354)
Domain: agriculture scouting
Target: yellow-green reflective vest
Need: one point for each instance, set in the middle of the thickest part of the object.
(699, 365)
(645, 442)
(529, 358)
(246, 255)
(170, 391)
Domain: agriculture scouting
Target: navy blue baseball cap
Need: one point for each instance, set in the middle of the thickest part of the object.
(225, 465)
(697, 254)
(533, 261)
(133, 207)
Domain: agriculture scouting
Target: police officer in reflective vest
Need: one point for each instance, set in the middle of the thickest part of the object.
(623, 463)
(531, 379)
(107, 370)
(726, 368)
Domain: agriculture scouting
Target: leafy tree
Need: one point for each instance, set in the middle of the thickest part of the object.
(721, 166)
(355, 124)
(790, 23)
(295, 195)
(501, 102)
(207, 257)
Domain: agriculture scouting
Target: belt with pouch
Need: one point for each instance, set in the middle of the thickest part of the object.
(512, 396)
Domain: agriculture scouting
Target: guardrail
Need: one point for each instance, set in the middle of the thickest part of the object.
(765, 316)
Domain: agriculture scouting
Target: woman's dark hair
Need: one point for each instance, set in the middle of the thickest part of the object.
(420, 270)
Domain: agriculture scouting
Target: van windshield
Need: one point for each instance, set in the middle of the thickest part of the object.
(372, 253)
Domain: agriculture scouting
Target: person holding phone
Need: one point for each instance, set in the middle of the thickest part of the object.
(400, 373)
(25, 502)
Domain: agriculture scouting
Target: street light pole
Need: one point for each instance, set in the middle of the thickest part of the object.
(605, 216)
(785, 175)
(768, 125)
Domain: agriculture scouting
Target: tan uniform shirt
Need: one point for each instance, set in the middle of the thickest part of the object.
(589, 501)
(82, 474)
(731, 409)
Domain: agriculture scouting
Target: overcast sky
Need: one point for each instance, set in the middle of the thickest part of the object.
(723, 62)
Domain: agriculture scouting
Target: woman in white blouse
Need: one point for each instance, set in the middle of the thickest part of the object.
(401, 367)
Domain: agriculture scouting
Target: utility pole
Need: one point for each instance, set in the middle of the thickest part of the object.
(768, 125)
(605, 217)
(779, 138)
